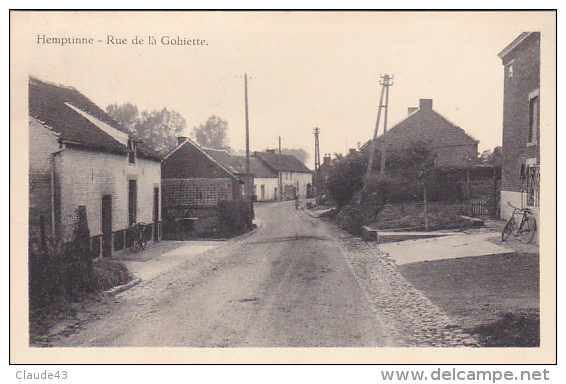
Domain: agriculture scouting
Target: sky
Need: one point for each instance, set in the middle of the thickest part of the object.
(307, 69)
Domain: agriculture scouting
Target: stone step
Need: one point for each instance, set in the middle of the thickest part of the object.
(383, 236)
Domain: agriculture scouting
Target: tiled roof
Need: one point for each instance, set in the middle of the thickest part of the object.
(237, 164)
(427, 125)
(190, 160)
(231, 163)
(257, 168)
(284, 163)
(77, 120)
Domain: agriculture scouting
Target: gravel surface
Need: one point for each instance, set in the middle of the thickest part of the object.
(411, 319)
(294, 282)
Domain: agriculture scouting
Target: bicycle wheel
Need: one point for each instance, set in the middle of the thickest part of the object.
(508, 229)
(135, 248)
(528, 230)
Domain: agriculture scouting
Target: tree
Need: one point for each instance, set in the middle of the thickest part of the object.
(156, 129)
(346, 177)
(126, 114)
(300, 154)
(492, 157)
(213, 133)
(160, 129)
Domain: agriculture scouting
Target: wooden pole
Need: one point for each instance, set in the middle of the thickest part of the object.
(280, 173)
(385, 84)
(375, 132)
(248, 189)
(386, 106)
(425, 208)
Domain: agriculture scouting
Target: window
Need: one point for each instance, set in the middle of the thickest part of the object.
(534, 119)
(510, 70)
(132, 201)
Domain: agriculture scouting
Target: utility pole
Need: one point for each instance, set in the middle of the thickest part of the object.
(316, 132)
(386, 106)
(248, 187)
(385, 84)
(280, 173)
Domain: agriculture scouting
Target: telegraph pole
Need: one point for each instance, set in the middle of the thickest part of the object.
(385, 84)
(248, 189)
(316, 132)
(386, 107)
(280, 173)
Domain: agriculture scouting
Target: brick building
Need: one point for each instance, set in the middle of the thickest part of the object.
(80, 156)
(520, 183)
(196, 178)
(296, 178)
(451, 144)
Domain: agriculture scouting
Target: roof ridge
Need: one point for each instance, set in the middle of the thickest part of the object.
(439, 115)
(35, 78)
(203, 151)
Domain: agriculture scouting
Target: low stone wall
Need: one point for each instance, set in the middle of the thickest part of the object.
(410, 216)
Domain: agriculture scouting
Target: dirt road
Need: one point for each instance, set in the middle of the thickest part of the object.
(285, 285)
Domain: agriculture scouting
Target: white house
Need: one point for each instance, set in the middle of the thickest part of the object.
(80, 156)
(296, 178)
(265, 180)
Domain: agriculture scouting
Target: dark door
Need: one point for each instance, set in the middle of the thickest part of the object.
(155, 214)
(132, 201)
(107, 225)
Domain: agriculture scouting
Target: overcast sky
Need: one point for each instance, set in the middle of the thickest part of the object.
(307, 69)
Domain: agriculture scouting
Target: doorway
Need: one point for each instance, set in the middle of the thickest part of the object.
(155, 214)
(106, 225)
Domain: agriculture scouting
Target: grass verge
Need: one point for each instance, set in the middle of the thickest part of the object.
(495, 297)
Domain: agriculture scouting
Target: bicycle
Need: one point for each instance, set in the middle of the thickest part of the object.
(140, 243)
(527, 227)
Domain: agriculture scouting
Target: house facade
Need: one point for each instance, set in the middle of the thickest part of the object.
(265, 180)
(81, 157)
(295, 178)
(452, 146)
(520, 184)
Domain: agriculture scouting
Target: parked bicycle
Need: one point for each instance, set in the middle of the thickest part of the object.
(139, 242)
(527, 228)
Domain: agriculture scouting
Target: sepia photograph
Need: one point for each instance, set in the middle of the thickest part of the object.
(335, 187)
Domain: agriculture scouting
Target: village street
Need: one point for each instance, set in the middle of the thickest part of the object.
(285, 285)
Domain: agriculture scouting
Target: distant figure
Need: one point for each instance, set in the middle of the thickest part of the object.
(297, 202)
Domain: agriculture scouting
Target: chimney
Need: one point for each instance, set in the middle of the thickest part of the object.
(412, 110)
(326, 160)
(181, 140)
(425, 104)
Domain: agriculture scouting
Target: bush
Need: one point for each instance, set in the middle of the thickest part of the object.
(63, 270)
(364, 206)
(235, 216)
(108, 274)
(346, 177)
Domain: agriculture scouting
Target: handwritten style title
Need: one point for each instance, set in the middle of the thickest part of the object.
(116, 40)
